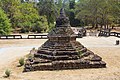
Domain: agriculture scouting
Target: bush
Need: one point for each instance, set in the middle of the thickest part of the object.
(41, 25)
(80, 53)
(30, 56)
(21, 61)
(7, 72)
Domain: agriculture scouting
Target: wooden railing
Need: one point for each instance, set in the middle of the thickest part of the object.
(107, 34)
(37, 37)
(41, 36)
(10, 37)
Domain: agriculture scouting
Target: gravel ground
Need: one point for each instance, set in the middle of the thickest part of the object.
(12, 50)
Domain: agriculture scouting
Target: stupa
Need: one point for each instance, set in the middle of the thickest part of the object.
(62, 51)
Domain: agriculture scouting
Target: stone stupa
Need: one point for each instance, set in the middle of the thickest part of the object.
(62, 51)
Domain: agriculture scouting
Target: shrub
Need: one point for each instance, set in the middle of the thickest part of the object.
(30, 56)
(21, 61)
(33, 48)
(7, 72)
(80, 53)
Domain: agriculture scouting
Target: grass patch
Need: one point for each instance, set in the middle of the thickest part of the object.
(21, 61)
(7, 73)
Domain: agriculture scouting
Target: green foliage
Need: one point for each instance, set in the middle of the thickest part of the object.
(80, 53)
(26, 16)
(41, 17)
(72, 4)
(97, 12)
(7, 73)
(48, 8)
(41, 25)
(21, 61)
(73, 21)
(30, 56)
(5, 26)
(10, 7)
(52, 25)
(58, 6)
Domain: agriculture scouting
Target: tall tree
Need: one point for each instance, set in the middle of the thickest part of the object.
(47, 7)
(74, 22)
(116, 10)
(95, 12)
(26, 16)
(10, 7)
(58, 5)
(41, 25)
(5, 26)
(87, 11)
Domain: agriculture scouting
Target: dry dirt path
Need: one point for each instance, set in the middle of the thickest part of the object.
(11, 50)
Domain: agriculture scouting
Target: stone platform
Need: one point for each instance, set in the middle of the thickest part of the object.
(90, 61)
(62, 51)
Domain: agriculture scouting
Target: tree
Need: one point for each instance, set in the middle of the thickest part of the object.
(41, 25)
(87, 11)
(116, 11)
(105, 13)
(26, 17)
(74, 22)
(5, 26)
(58, 5)
(10, 7)
(47, 8)
(97, 12)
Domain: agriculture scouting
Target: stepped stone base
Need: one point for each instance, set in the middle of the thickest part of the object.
(64, 65)
(90, 61)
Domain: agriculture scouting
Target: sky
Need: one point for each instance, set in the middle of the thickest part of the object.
(76, 0)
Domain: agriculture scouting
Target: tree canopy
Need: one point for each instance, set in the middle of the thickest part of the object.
(41, 16)
(26, 16)
(47, 7)
(10, 7)
(5, 25)
(97, 12)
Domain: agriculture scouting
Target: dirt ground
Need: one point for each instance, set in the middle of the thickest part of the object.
(12, 50)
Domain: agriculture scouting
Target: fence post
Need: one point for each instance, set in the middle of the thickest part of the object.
(117, 42)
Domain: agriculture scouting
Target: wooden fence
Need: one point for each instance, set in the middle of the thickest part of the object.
(41, 36)
(37, 37)
(107, 34)
(10, 37)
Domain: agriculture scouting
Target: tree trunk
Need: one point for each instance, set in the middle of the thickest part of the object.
(96, 26)
(93, 25)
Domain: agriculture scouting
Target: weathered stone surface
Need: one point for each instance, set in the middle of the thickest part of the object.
(62, 51)
(66, 64)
